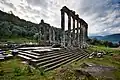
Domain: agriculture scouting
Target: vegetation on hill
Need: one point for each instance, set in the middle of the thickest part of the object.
(103, 43)
(12, 27)
(111, 38)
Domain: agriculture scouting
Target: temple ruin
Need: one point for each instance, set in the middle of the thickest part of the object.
(70, 41)
(75, 36)
(78, 35)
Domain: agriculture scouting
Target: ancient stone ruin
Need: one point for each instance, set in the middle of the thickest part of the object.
(73, 37)
(49, 57)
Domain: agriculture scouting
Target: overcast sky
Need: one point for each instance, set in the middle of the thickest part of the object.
(102, 16)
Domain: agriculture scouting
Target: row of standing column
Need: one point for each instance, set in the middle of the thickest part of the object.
(51, 35)
(80, 34)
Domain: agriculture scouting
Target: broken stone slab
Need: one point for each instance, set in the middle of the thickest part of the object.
(14, 52)
(8, 56)
(56, 49)
(84, 65)
(96, 54)
(2, 57)
(1, 52)
(99, 55)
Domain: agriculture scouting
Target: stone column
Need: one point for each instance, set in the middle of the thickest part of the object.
(45, 34)
(63, 27)
(86, 32)
(69, 30)
(53, 33)
(50, 35)
(73, 31)
(81, 35)
(77, 37)
(39, 35)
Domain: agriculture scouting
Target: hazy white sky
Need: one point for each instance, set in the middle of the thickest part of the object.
(102, 16)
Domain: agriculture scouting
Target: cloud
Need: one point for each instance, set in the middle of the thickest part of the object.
(8, 3)
(103, 17)
(41, 3)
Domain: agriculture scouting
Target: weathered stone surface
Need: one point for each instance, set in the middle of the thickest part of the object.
(76, 36)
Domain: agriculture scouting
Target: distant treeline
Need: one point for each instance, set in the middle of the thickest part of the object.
(103, 43)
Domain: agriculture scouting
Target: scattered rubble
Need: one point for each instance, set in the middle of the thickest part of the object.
(7, 54)
(97, 54)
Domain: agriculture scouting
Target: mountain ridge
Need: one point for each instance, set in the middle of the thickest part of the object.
(112, 37)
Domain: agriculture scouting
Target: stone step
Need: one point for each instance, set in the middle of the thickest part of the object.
(29, 55)
(42, 50)
(43, 58)
(59, 61)
(33, 53)
(64, 62)
(51, 60)
(24, 57)
(36, 54)
(39, 57)
(50, 52)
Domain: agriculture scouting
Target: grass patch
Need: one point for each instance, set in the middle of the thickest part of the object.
(19, 40)
(14, 70)
(106, 60)
(106, 49)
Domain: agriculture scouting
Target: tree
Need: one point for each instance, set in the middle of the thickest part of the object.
(5, 29)
(119, 43)
(106, 43)
(110, 44)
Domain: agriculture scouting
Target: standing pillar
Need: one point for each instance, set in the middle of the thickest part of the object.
(53, 35)
(63, 27)
(81, 35)
(45, 34)
(39, 35)
(86, 33)
(69, 30)
(50, 35)
(73, 31)
(77, 37)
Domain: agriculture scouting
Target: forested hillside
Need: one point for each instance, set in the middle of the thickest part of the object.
(12, 26)
(113, 37)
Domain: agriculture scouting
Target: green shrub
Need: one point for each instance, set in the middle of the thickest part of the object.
(17, 71)
(42, 73)
(1, 72)
(27, 70)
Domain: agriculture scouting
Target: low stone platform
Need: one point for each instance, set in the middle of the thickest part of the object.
(49, 58)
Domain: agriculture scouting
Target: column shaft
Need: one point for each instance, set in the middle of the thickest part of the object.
(63, 27)
(50, 35)
(45, 34)
(69, 30)
(53, 36)
(73, 31)
(81, 35)
(77, 37)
